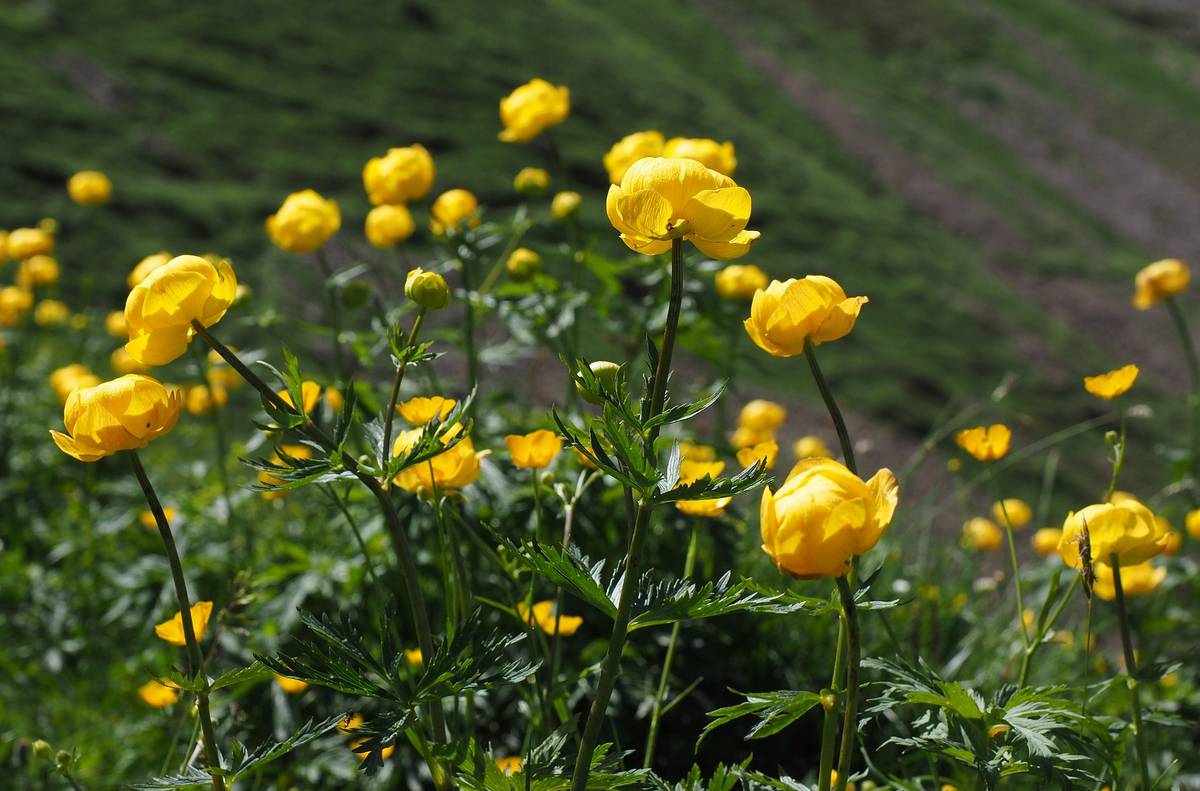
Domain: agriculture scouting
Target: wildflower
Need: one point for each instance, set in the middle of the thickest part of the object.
(453, 469)
(740, 281)
(609, 376)
(691, 451)
(146, 266)
(766, 452)
(998, 730)
(713, 155)
(414, 657)
(523, 263)
(1045, 541)
(310, 395)
(985, 444)
(823, 515)
(1173, 543)
(160, 310)
(388, 225)
(350, 723)
(981, 534)
(37, 270)
(510, 765)
(122, 363)
(630, 149)
(147, 520)
(427, 289)
(159, 693)
(201, 399)
(420, 410)
(533, 451)
(564, 204)
(291, 686)
(1192, 523)
(1139, 579)
(691, 471)
(304, 222)
(172, 630)
(114, 324)
(334, 399)
(50, 313)
(762, 415)
(25, 243)
(531, 181)
(659, 200)
(810, 447)
(533, 108)
(1013, 510)
(1127, 529)
(1112, 384)
(399, 176)
(543, 616)
(121, 414)
(1156, 282)
(15, 302)
(787, 315)
(89, 188)
(451, 209)
(65, 380)
(745, 437)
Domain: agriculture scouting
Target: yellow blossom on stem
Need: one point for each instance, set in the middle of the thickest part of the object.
(451, 209)
(159, 693)
(564, 204)
(172, 630)
(453, 469)
(1156, 282)
(147, 520)
(533, 451)
(122, 414)
(89, 188)
(788, 315)
(981, 534)
(630, 149)
(146, 266)
(388, 225)
(1127, 529)
(531, 181)
(304, 222)
(692, 470)
(421, 409)
(160, 310)
(766, 452)
(1112, 384)
(720, 157)
(1045, 541)
(762, 415)
(533, 108)
(291, 686)
(37, 270)
(740, 281)
(1139, 579)
(1018, 512)
(399, 176)
(542, 615)
(23, 243)
(985, 443)
(510, 765)
(63, 381)
(811, 447)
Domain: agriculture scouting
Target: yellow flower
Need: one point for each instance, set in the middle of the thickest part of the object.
(25, 243)
(1156, 282)
(304, 222)
(1192, 523)
(745, 437)
(523, 263)
(692, 470)
(691, 451)
(50, 313)
(122, 363)
(1174, 542)
(89, 188)
(451, 209)
(510, 765)
(1127, 529)
(399, 176)
(201, 399)
(1045, 541)
(660, 199)
(981, 535)
(310, 394)
(533, 451)
(420, 410)
(713, 155)
(985, 444)
(114, 324)
(350, 723)
(292, 686)
(810, 447)
(414, 657)
(147, 520)
(450, 470)
(564, 204)
(766, 452)
(1018, 511)
(740, 281)
(63, 381)
(146, 266)
(823, 515)
(385, 753)
(531, 181)
(427, 289)
(15, 302)
(789, 314)
(37, 270)
(334, 400)
(160, 310)
(1112, 384)
(533, 108)
(630, 149)
(1137, 580)
(388, 225)
(159, 693)
(762, 415)
(543, 616)
(298, 452)
(172, 630)
(121, 414)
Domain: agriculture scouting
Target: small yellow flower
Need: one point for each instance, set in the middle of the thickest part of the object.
(985, 444)
(533, 108)
(451, 209)
(564, 204)
(1045, 541)
(810, 447)
(172, 630)
(1126, 528)
(334, 400)
(160, 310)
(420, 410)
(310, 396)
(533, 451)
(147, 520)
(114, 324)
(399, 176)
(745, 437)
(1136, 580)
(531, 181)
(159, 693)
(1192, 523)
(360, 744)
(510, 765)
(291, 686)
(304, 222)
(414, 657)
(350, 723)
(630, 149)
(981, 535)
(15, 303)
(146, 266)
(64, 381)
(762, 415)
(523, 264)
(713, 155)
(37, 270)
(543, 616)
(766, 452)
(740, 281)
(89, 188)
(1173, 544)
(122, 414)
(1017, 511)
(201, 399)
(692, 470)
(788, 315)
(691, 451)
(388, 225)
(1112, 384)
(998, 730)
(122, 363)
(427, 289)
(25, 243)
(450, 470)
(1158, 281)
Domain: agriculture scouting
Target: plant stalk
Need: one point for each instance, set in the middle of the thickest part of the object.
(849, 719)
(1131, 668)
(839, 423)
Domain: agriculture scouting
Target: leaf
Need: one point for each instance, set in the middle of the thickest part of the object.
(667, 601)
(774, 710)
(255, 672)
(682, 412)
(571, 570)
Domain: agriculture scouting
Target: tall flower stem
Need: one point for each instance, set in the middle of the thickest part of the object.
(1033, 645)
(1012, 555)
(611, 664)
(835, 414)
(469, 319)
(1131, 668)
(195, 661)
(390, 415)
(335, 315)
(849, 718)
(829, 727)
(1118, 453)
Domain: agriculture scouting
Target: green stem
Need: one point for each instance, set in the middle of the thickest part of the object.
(469, 322)
(335, 314)
(1118, 453)
(195, 662)
(839, 423)
(497, 269)
(829, 727)
(1033, 646)
(1012, 555)
(849, 719)
(1131, 668)
(390, 415)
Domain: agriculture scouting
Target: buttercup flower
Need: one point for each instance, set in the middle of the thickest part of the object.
(291, 686)
(1173, 543)
(788, 314)
(122, 363)
(25, 243)
(564, 204)
(690, 471)
(159, 693)
(1018, 511)
(713, 155)
(37, 270)
(304, 222)
(401, 175)
(450, 470)
(1158, 281)
(766, 452)
(1137, 580)
(50, 313)
(985, 444)
(451, 209)
(981, 534)
(533, 108)
(542, 615)
(740, 281)
(1045, 541)
(201, 399)
(762, 415)
(389, 225)
(523, 263)
(1112, 384)
(63, 381)
(630, 149)
(146, 266)
(531, 181)
(823, 515)
(15, 302)
(1127, 529)
(427, 289)
(350, 723)
(810, 447)
(172, 630)
(510, 765)
(122, 414)
(160, 310)
(89, 188)
(114, 324)
(533, 451)
(420, 410)
(660, 199)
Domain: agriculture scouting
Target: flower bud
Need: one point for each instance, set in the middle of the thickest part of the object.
(427, 289)
(608, 373)
(565, 204)
(62, 760)
(42, 749)
(523, 263)
(531, 181)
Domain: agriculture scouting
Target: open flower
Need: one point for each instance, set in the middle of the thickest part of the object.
(510, 765)
(388, 225)
(450, 470)
(1112, 384)
(159, 693)
(985, 444)
(37, 270)
(533, 451)
(766, 452)
(304, 222)
(660, 199)
(713, 155)
(172, 630)
(533, 108)
(89, 188)
(1017, 511)
(266, 478)
(65, 380)
(451, 209)
(762, 415)
(811, 447)
(1126, 529)
(146, 266)
(422, 409)
(399, 176)
(789, 314)
(1137, 580)
(630, 149)
(981, 534)
(50, 313)
(823, 515)
(543, 616)
(202, 399)
(122, 414)
(740, 281)
(1158, 281)
(160, 310)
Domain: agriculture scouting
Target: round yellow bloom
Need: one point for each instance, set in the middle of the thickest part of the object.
(122, 363)
(37, 270)
(172, 630)
(420, 410)
(450, 470)
(350, 723)
(713, 155)
(310, 394)
(542, 615)
(823, 515)
(740, 281)
(523, 263)
(160, 310)
(981, 535)
(985, 443)
(201, 399)
(122, 414)
(1137, 580)
(1045, 541)
(401, 175)
(304, 222)
(25, 243)
(531, 181)
(360, 744)
(114, 324)
(692, 470)
(510, 765)
(292, 686)
(1156, 282)
(1174, 541)
(147, 520)
(414, 656)
(50, 313)
(146, 266)
(533, 451)
(1111, 384)
(762, 415)
(1127, 529)
(3, 246)
(15, 302)
(89, 188)
(298, 452)
(1018, 511)
(810, 447)
(691, 451)
(533, 108)
(660, 199)
(159, 693)
(564, 204)
(766, 452)
(451, 209)
(789, 314)
(630, 149)
(1192, 523)
(427, 289)
(745, 437)
(63, 381)
(388, 225)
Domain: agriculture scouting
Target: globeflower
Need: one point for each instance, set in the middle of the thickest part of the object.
(985, 444)
(762, 415)
(37, 270)
(146, 266)
(25, 243)
(122, 414)
(451, 209)
(160, 310)
(172, 630)
(159, 693)
(388, 225)
(1126, 529)
(1045, 541)
(122, 363)
(1136, 580)
(765, 452)
(808, 447)
(450, 470)
(692, 451)
(421, 409)
(523, 263)
(788, 315)
(981, 534)
(427, 289)
(15, 302)
(1158, 281)
(291, 686)
(659, 200)
(564, 204)
(304, 222)
(533, 108)
(543, 616)
(201, 399)
(1018, 512)
(399, 176)
(114, 324)
(823, 515)
(630, 149)
(510, 765)
(713, 155)
(740, 281)
(265, 478)
(533, 451)
(531, 181)
(89, 188)
(1112, 384)
(63, 381)
(50, 313)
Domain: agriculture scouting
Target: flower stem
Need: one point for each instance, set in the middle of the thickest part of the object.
(1131, 668)
(849, 719)
(829, 728)
(839, 423)
(195, 662)
(1118, 454)
(1193, 366)
(469, 321)
(1036, 643)
(335, 315)
(390, 415)
(1012, 556)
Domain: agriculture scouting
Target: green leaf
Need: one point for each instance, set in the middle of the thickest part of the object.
(255, 672)
(774, 710)
(667, 601)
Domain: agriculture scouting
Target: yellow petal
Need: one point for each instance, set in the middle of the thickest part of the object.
(728, 250)
(718, 215)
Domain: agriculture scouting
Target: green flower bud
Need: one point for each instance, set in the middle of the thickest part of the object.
(523, 263)
(427, 289)
(41, 749)
(565, 204)
(531, 181)
(608, 373)
(62, 760)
